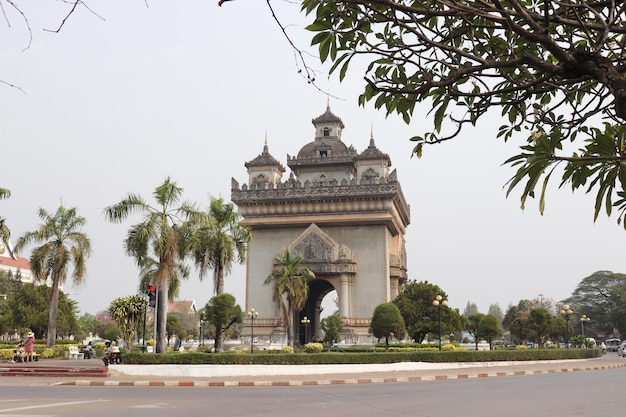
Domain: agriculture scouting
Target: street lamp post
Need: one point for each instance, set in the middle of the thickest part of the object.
(584, 319)
(252, 315)
(566, 312)
(305, 321)
(438, 302)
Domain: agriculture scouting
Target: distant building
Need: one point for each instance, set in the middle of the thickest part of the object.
(15, 264)
(182, 307)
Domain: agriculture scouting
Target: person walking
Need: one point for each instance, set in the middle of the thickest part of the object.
(29, 347)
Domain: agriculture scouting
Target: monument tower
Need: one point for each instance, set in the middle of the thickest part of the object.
(343, 212)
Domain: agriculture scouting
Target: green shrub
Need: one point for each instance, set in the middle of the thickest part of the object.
(521, 347)
(448, 347)
(287, 349)
(313, 347)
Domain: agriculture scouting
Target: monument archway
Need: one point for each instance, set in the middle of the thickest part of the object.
(318, 289)
(343, 212)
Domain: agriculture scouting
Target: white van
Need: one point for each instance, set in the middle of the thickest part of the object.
(612, 344)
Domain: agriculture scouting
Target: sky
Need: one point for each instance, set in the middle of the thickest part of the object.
(129, 93)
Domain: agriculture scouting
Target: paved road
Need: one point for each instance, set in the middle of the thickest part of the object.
(564, 394)
(480, 371)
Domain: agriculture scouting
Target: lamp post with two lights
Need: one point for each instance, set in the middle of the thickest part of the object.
(438, 302)
(566, 312)
(252, 315)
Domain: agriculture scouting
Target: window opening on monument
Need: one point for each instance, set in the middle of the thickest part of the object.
(326, 131)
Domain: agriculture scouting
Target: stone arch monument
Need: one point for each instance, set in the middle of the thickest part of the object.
(343, 212)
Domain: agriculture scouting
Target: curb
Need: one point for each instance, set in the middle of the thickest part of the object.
(347, 381)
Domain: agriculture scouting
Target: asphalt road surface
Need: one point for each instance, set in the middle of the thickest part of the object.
(595, 393)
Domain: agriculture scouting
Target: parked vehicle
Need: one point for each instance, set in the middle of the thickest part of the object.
(612, 344)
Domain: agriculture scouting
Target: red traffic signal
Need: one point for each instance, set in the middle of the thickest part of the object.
(151, 296)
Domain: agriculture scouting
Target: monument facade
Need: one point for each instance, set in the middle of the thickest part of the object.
(343, 212)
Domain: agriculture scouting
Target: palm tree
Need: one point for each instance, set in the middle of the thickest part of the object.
(291, 288)
(163, 233)
(219, 242)
(5, 233)
(64, 245)
(148, 272)
(128, 313)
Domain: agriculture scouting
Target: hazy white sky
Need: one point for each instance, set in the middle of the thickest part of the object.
(118, 101)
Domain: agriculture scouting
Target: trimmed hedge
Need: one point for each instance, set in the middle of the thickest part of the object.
(262, 358)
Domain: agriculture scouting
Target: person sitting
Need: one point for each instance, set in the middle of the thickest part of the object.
(88, 351)
(107, 353)
(18, 353)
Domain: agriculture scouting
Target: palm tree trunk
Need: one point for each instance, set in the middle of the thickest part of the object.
(219, 280)
(161, 336)
(53, 313)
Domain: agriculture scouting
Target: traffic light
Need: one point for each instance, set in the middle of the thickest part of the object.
(151, 296)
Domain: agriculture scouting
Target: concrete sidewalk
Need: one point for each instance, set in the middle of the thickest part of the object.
(201, 376)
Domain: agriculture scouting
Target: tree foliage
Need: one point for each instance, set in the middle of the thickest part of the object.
(5, 232)
(489, 329)
(64, 246)
(602, 296)
(128, 312)
(332, 328)
(291, 288)
(163, 234)
(28, 309)
(387, 322)
(542, 325)
(220, 241)
(551, 70)
(422, 318)
(222, 312)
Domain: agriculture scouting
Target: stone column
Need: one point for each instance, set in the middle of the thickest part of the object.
(344, 297)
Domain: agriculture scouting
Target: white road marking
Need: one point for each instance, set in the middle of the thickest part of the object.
(32, 407)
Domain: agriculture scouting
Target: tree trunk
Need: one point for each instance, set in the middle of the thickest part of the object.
(218, 340)
(290, 331)
(219, 280)
(54, 310)
(161, 336)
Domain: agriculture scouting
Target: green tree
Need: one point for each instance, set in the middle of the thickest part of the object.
(5, 232)
(602, 295)
(128, 312)
(515, 321)
(332, 327)
(416, 305)
(222, 312)
(387, 322)
(470, 308)
(164, 233)
(551, 69)
(29, 307)
(220, 242)
(63, 245)
(108, 330)
(496, 311)
(174, 327)
(489, 329)
(291, 288)
(88, 323)
(541, 323)
(473, 326)
(10, 285)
